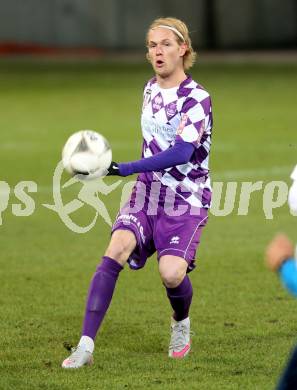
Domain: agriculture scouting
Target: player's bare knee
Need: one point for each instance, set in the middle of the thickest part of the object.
(121, 245)
(172, 270)
(172, 278)
(118, 252)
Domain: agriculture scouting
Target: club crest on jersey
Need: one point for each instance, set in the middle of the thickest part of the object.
(157, 103)
(147, 98)
(182, 124)
(170, 109)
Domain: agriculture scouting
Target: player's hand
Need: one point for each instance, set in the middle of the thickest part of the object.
(279, 250)
(113, 169)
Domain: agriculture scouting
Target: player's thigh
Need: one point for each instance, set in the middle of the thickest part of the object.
(179, 237)
(172, 270)
(121, 245)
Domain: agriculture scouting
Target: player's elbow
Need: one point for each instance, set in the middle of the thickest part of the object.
(184, 159)
(183, 153)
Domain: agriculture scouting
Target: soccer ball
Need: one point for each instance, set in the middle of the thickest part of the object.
(86, 154)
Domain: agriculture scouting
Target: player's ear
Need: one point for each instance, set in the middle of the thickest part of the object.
(183, 49)
(148, 57)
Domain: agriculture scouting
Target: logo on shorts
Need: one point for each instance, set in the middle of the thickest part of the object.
(174, 240)
(127, 219)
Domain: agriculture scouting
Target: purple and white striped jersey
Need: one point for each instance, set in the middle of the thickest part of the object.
(180, 113)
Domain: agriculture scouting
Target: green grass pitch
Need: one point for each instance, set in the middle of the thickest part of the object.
(243, 320)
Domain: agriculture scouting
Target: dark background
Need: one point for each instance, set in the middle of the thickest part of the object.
(121, 24)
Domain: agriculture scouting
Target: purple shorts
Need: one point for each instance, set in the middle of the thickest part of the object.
(159, 228)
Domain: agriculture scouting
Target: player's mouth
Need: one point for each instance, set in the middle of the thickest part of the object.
(159, 63)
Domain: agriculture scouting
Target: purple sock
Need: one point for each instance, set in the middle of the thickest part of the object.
(100, 294)
(180, 298)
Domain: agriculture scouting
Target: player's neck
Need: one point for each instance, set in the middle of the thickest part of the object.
(172, 80)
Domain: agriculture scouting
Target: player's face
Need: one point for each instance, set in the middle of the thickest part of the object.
(165, 53)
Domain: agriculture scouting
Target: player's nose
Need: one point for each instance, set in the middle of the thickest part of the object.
(158, 50)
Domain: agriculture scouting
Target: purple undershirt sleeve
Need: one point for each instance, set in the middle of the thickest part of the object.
(179, 154)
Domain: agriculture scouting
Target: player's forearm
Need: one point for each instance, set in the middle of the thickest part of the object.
(179, 154)
(288, 275)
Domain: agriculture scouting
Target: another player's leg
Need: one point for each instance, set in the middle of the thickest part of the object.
(173, 271)
(100, 294)
(288, 379)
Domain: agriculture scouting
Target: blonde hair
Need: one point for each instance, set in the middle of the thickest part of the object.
(190, 55)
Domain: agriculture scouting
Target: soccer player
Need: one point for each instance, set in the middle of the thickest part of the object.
(280, 258)
(280, 251)
(176, 126)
